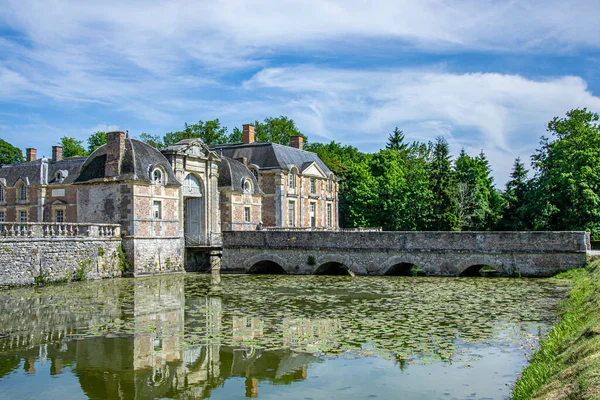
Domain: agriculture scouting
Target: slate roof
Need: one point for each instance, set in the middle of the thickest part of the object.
(71, 167)
(231, 174)
(271, 155)
(139, 160)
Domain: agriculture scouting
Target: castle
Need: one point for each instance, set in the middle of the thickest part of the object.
(176, 200)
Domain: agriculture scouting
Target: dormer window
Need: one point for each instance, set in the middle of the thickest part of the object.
(247, 186)
(329, 185)
(255, 173)
(157, 176)
(292, 180)
(22, 192)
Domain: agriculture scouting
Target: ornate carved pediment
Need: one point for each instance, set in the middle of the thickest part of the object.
(196, 148)
(189, 147)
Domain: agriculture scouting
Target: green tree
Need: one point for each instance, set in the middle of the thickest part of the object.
(567, 180)
(443, 188)
(211, 132)
(514, 217)
(236, 136)
(396, 141)
(358, 206)
(9, 154)
(72, 147)
(153, 140)
(96, 140)
(276, 130)
(479, 203)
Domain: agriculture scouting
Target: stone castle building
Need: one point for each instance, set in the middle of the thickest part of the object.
(299, 190)
(179, 198)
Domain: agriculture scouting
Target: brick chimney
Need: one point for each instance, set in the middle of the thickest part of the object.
(297, 141)
(115, 147)
(57, 152)
(31, 154)
(248, 133)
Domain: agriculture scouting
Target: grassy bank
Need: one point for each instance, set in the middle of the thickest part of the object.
(567, 364)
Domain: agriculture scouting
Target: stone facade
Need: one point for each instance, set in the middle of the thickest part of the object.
(130, 183)
(300, 192)
(380, 253)
(35, 252)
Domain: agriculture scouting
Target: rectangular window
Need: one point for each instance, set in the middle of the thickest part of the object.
(291, 181)
(59, 216)
(329, 215)
(2, 216)
(22, 216)
(156, 210)
(313, 216)
(1, 193)
(23, 192)
(313, 185)
(291, 213)
(247, 214)
(329, 185)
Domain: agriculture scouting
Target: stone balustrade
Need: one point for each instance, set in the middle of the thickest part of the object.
(48, 230)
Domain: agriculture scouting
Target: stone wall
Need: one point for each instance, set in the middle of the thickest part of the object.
(38, 252)
(153, 256)
(436, 253)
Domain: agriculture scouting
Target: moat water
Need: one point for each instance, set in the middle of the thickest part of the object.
(272, 337)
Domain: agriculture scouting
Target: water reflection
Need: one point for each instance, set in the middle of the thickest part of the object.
(180, 337)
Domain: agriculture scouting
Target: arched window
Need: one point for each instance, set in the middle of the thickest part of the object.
(329, 184)
(157, 176)
(192, 186)
(22, 192)
(292, 179)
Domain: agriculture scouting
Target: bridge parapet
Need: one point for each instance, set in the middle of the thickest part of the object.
(437, 253)
(414, 241)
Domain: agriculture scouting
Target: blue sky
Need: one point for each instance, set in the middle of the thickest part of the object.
(485, 74)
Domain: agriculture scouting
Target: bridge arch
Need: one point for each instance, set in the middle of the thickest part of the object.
(266, 264)
(472, 265)
(400, 265)
(333, 264)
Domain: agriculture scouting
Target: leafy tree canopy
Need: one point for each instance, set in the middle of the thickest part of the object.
(72, 147)
(276, 130)
(96, 140)
(9, 154)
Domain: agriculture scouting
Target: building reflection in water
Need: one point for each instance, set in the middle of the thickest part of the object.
(153, 362)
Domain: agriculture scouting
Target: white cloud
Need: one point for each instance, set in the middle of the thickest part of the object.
(502, 114)
(163, 63)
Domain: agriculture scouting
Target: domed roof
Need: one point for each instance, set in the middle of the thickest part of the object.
(137, 163)
(233, 173)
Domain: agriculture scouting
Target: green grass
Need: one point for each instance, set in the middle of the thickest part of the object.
(567, 364)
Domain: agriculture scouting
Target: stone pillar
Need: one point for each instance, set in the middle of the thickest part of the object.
(215, 258)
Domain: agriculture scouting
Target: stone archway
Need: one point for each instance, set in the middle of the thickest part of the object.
(472, 266)
(336, 259)
(193, 205)
(398, 265)
(268, 261)
(266, 267)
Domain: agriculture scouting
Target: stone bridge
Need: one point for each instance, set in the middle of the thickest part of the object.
(536, 254)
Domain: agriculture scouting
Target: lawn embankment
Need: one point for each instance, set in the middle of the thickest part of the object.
(567, 364)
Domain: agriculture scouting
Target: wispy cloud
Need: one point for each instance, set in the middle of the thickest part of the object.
(156, 64)
(503, 114)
